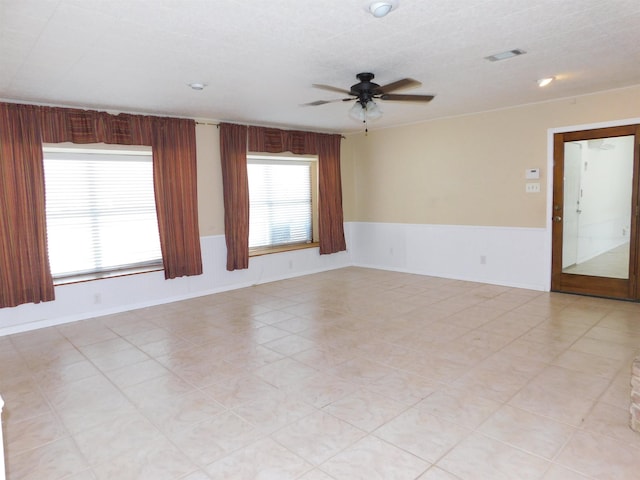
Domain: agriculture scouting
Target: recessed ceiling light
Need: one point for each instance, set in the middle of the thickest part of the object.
(504, 55)
(197, 86)
(543, 82)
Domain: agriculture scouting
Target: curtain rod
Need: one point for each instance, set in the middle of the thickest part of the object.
(217, 125)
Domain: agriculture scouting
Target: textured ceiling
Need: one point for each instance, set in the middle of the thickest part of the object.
(260, 58)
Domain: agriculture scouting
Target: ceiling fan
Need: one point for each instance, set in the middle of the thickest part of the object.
(365, 91)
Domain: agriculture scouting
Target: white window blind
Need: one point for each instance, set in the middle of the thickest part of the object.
(280, 210)
(100, 209)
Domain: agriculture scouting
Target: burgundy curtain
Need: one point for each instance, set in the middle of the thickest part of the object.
(25, 275)
(235, 186)
(24, 265)
(175, 187)
(327, 147)
(330, 216)
(174, 171)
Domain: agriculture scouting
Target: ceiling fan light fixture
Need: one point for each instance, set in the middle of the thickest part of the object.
(357, 112)
(372, 110)
(380, 9)
(364, 113)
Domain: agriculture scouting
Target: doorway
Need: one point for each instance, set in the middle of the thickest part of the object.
(595, 238)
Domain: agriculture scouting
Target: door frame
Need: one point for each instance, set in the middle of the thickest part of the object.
(550, 175)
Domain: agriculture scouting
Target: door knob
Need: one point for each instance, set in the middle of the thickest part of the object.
(557, 218)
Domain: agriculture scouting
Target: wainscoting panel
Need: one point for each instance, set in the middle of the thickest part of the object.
(509, 256)
(516, 257)
(112, 295)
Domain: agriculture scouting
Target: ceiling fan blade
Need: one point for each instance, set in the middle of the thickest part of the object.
(407, 98)
(332, 89)
(398, 85)
(322, 102)
(316, 103)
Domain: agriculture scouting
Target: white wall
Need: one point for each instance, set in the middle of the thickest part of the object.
(102, 297)
(511, 256)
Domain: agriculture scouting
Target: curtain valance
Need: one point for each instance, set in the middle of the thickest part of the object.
(275, 140)
(86, 126)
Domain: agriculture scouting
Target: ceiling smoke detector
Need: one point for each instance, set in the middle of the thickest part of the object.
(380, 9)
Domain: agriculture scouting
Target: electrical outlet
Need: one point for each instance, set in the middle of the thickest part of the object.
(532, 187)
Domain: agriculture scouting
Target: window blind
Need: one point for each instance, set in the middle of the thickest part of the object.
(280, 210)
(100, 209)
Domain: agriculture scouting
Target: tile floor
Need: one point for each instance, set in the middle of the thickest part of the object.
(349, 374)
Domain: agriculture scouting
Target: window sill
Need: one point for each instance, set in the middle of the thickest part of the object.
(259, 251)
(88, 277)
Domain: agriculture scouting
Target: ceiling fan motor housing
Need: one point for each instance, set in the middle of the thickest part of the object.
(365, 89)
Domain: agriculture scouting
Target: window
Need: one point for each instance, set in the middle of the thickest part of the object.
(100, 208)
(281, 207)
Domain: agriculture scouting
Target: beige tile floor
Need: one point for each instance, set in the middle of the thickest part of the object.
(349, 374)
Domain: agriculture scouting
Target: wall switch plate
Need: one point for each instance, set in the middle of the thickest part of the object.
(532, 187)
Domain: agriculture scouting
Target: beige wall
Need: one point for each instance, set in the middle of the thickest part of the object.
(466, 170)
(210, 200)
(347, 172)
(458, 171)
